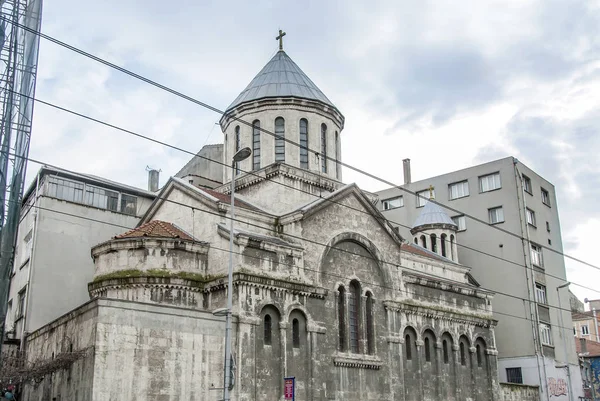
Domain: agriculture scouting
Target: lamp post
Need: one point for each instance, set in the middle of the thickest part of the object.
(240, 155)
(560, 314)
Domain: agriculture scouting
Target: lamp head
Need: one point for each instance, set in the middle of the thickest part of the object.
(242, 154)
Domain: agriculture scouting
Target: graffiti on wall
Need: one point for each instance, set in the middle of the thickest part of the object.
(557, 387)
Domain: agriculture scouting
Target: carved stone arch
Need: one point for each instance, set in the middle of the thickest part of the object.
(371, 249)
(453, 336)
(365, 290)
(260, 305)
(299, 307)
(410, 326)
(429, 327)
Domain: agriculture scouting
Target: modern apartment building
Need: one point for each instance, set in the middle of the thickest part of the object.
(586, 324)
(509, 234)
(64, 214)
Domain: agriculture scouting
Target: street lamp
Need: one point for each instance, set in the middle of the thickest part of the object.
(560, 314)
(240, 155)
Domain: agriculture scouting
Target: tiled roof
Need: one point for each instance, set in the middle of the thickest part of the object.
(423, 252)
(582, 315)
(226, 198)
(156, 229)
(593, 347)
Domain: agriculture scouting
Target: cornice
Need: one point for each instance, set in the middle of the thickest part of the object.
(454, 316)
(358, 361)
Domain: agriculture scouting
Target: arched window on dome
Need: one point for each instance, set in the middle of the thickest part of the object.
(304, 143)
(256, 145)
(279, 139)
(452, 248)
(443, 239)
(237, 148)
(424, 241)
(416, 241)
(433, 243)
(324, 148)
(337, 156)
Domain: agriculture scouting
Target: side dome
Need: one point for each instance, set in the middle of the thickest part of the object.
(433, 216)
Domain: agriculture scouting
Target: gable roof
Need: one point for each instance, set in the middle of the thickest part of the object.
(280, 77)
(156, 229)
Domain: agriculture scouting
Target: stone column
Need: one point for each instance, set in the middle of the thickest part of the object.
(457, 365)
(419, 344)
(396, 367)
(473, 367)
(283, 341)
(438, 368)
(492, 372)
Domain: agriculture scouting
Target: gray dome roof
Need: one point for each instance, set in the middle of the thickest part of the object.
(281, 77)
(433, 214)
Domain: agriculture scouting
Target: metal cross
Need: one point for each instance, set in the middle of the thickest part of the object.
(280, 39)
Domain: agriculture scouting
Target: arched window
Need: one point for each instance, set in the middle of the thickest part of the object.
(408, 347)
(353, 316)
(443, 244)
(337, 156)
(237, 148)
(452, 248)
(342, 317)
(433, 243)
(427, 350)
(370, 328)
(478, 351)
(424, 241)
(445, 350)
(267, 328)
(463, 356)
(279, 139)
(304, 143)
(296, 333)
(416, 241)
(324, 148)
(256, 145)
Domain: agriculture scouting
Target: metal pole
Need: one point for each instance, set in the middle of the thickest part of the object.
(227, 368)
(560, 315)
(596, 324)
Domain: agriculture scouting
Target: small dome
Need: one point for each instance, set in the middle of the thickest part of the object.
(433, 214)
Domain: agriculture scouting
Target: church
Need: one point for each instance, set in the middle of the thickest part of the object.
(325, 290)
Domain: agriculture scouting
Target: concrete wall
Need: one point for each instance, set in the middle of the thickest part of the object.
(206, 167)
(519, 392)
(502, 270)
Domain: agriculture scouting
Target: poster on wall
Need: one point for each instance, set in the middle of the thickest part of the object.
(289, 388)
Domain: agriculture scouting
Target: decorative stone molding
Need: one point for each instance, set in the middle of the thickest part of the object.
(395, 339)
(357, 361)
(419, 343)
(315, 328)
(283, 325)
(455, 347)
(491, 351)
(472, 350)
(411, 307)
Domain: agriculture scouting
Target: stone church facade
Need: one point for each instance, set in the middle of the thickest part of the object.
(325, 290)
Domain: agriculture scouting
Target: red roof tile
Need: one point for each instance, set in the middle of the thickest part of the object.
(423, 252)
(593, 347)
(227, 199)
(156, 229)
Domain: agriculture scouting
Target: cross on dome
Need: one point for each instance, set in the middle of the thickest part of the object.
(280, 39)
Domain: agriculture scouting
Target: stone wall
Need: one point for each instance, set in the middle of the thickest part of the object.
(519, 392)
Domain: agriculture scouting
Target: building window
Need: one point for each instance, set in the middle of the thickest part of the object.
(66, 190)
(408, 347)
(514, 375)
(461, 222)
(479, 355)
(527, 185)
(337, 156)
(424, 241)
(443, 240)
(585, 331)
(279, 139)
(370, 327)
(237, 148)
(463, 355)
(496, 215)
(433, 243)
(128, 204)
(342, 317)
(489, 182)
(545, 334)
(393, 203)
(427, 350)
(530, 217)
(445, 351)
(324, 148)
(304, 143)
(295, 333)
(353, 316)
(536, 255)
(545, 197)
(21, 304)
(540, 294)
(451, 246)
(256, 145)
(267, 328)
(101, 198)
(458, 190)
(423, 196)
(548, 226)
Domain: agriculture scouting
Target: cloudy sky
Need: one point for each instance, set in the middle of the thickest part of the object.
(448, 84)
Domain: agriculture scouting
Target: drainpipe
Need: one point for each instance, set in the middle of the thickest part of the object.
(564, 341)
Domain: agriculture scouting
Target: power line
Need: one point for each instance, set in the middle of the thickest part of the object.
(216, 110)
(518, 264)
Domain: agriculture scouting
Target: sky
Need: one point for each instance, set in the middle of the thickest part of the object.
(447, 84)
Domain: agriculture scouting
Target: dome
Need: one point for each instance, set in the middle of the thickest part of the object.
(281, 77)
(433, 214)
